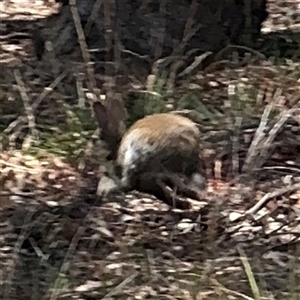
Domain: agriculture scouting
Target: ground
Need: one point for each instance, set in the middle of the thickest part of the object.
(58, 240)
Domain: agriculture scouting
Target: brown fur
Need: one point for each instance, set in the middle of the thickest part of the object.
(157, 151)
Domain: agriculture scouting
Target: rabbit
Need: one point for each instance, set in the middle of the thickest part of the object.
(157, 151)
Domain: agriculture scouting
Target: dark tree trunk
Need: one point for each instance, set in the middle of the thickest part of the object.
(158, 28)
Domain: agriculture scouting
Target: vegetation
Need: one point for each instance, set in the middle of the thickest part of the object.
(60, 240)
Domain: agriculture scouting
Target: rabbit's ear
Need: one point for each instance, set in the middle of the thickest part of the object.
(101, 114)
(111, 115)
(111, 122)
(116, 109)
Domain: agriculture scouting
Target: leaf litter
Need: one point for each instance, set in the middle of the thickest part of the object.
(61, 240)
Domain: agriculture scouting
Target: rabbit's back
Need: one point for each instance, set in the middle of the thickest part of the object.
(160, 143)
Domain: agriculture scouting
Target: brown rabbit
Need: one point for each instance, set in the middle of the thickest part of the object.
(157, 151)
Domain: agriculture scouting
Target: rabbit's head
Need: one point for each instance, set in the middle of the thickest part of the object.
(111, 117)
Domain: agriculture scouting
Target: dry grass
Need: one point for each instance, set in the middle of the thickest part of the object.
(59, 241)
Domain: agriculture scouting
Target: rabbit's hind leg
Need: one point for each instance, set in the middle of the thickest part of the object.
(184, 186)
(156, 184)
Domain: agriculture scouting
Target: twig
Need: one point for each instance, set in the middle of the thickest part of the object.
(66, 262)
(79, 86)
(19, 168)
(91, 82)
(266, 198)
(117, 50)
(221, 52)
(151, 263)
(175, 59)
(275, 232)
(33, 133)
(259, 135)
(283, 117)
(68, 257)
(249, 273)
(283, 168)
(235, 146)
(197, 61)
(108, 35)
(189, 31)
(142, 57)
(160, 34)
(13, 137)
(118, 288)
(173, 74)
(162, 62)
(14, 35)
(16, 250)
(228, 291)
(37, 102)
(96, 7)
